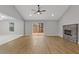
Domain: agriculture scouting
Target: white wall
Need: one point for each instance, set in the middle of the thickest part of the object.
(50, 27)
(18, 27)
(70, 17)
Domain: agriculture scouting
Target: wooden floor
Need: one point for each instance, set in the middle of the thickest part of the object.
(39, 45)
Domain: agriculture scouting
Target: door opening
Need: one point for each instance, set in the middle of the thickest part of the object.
(38, 29)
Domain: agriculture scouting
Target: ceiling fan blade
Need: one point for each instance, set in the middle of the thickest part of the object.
(42, 10)
(40, 13)
(35, 12)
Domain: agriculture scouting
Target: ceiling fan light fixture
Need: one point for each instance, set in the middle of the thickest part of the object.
(38, 13)
(52, 14)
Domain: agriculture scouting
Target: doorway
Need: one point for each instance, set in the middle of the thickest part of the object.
(38, 29)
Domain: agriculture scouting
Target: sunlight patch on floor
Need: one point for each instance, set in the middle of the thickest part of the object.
(36, 37)
(37, 34)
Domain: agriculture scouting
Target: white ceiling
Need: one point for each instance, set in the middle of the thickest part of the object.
(26, 10)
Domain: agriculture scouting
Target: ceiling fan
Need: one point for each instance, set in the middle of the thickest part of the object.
(38, 11)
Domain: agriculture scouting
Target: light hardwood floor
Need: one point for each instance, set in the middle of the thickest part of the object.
(39, 45)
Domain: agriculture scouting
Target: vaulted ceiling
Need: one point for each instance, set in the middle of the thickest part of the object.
(27, 13)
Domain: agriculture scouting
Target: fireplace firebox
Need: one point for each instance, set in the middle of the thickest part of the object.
(68, 32)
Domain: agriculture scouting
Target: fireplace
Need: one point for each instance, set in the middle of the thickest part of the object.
(70, 32)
